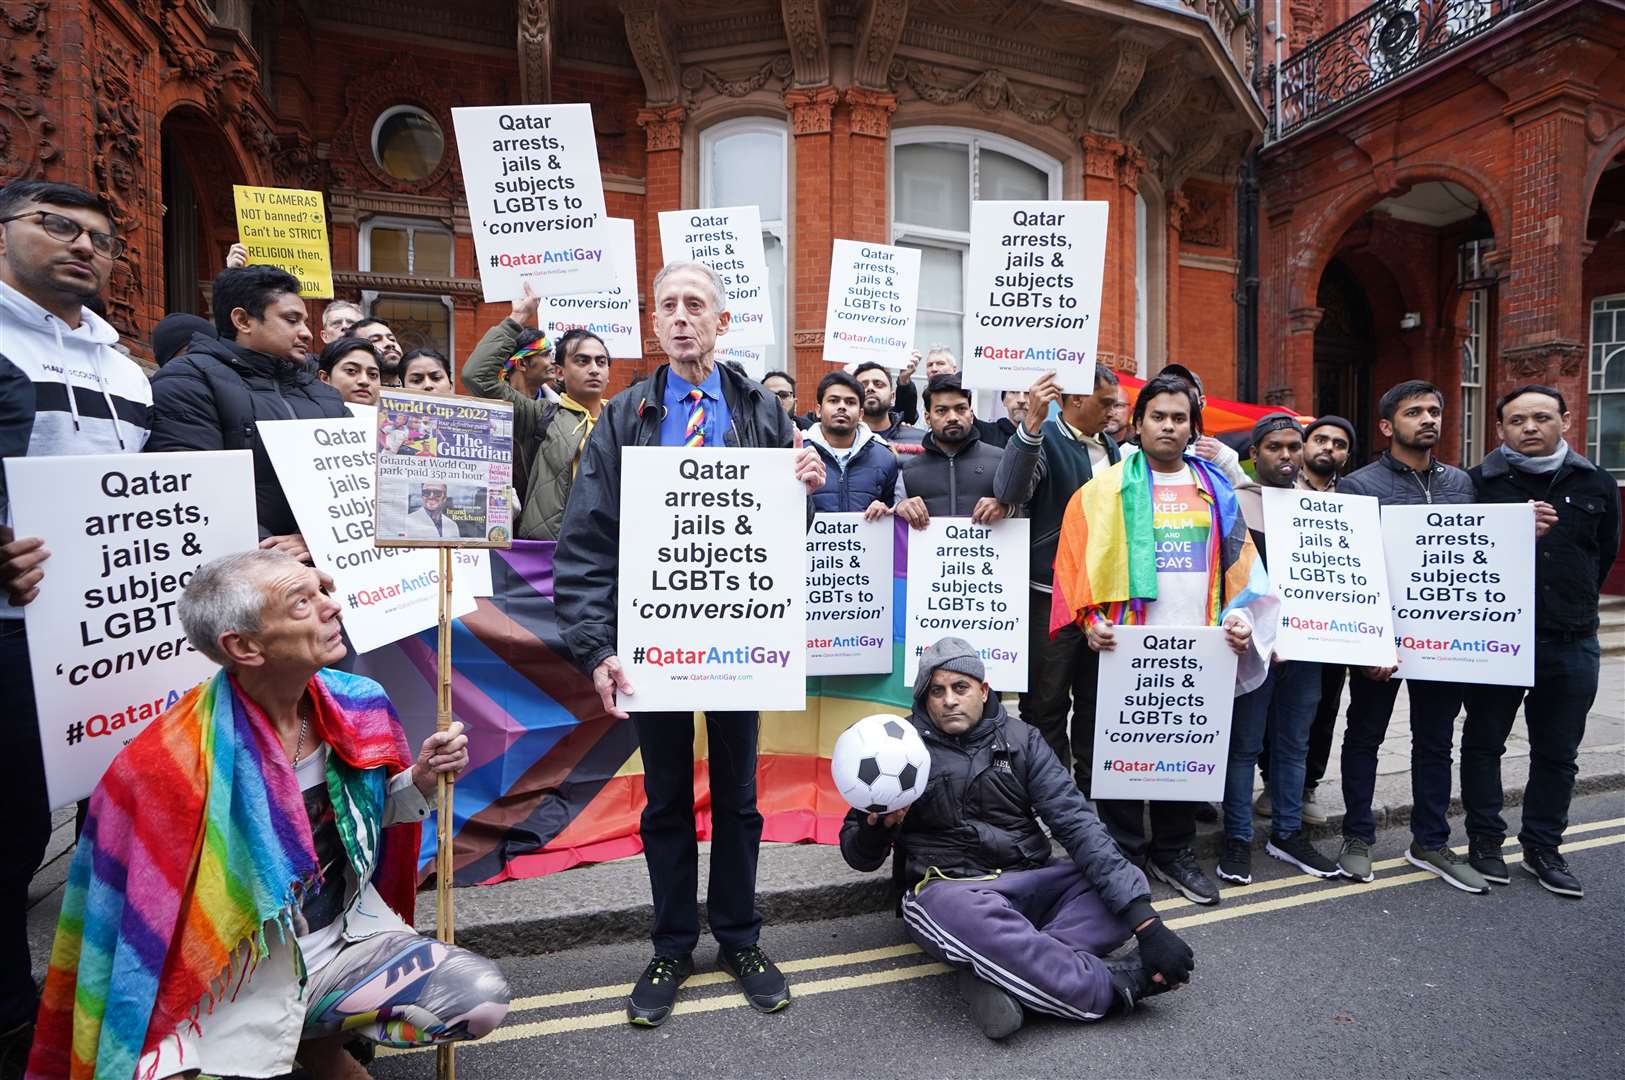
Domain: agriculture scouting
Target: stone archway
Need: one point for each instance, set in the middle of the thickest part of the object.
(199, 168)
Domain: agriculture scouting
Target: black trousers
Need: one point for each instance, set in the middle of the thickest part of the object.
(1062, 673)
(670, 845)
(1332, 677)
(26, 813)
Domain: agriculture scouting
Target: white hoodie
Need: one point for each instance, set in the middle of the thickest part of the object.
(88, 397)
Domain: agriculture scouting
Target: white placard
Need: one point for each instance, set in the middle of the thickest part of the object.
(1162, 714)
(1035, 271)
(126, 533)
(849, 595)
(612, 315)
(328, 472)
(535, 199)
(873, 292)
(753, 360)
(1463, 585)
(713, 579)
(729, 241)
(1326, 567)
(970, 581)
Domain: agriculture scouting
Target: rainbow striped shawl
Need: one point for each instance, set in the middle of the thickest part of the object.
(197, 842)
(1106, 560)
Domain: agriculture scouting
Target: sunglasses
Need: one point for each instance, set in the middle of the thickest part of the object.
(68, 230)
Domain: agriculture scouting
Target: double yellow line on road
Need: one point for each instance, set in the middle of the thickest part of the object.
(689, 1005)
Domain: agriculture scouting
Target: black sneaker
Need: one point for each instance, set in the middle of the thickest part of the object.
(1206, 813)
(763, 984)
(1180, 871)
(1552, 871)
(995, 1011)
(1297, 850)
(15, 1044)
(1484, 855)
(1131, 982)
(656, 992)
(1236, 864)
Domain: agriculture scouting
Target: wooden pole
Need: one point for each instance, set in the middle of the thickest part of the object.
(445, 1056)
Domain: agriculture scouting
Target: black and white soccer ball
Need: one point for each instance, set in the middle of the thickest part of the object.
(880, 764)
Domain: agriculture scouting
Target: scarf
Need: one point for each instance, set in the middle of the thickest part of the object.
(197, 840)
(1537, 465)
(1106, 559)
(588, 420)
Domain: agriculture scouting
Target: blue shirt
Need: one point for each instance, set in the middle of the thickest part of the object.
(674, 425)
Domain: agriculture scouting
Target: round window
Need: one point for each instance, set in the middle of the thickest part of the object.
(407, 142)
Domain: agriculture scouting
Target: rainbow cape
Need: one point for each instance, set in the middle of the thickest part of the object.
(1106, 559)
(197, 841)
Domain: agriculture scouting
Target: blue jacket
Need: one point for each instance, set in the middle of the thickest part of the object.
(870, 473)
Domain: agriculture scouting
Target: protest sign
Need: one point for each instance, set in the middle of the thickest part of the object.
(104, 635)
(873, 292)
(753, 360)
(713, 579)
(328, 472)
(286, 228)
(1162, 714)
(613, 314)
(849, 594)
(1463, 585)
(729, 241)
(535, 199)
(1034, 277)
(445, 471)
(1327, 569)
(970, 581)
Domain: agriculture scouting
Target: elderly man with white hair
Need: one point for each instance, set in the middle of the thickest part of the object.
(693, 402)
(229, 908)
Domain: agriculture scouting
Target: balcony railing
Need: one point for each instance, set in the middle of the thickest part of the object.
(1381, 44)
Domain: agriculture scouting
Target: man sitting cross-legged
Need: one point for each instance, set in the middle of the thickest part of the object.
(973, 862)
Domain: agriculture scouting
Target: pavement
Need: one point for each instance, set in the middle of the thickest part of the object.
(1402, 977)
(610, 902)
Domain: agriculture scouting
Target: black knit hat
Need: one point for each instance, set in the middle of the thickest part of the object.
(1334, 421)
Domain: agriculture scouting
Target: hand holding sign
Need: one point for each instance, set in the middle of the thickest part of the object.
(1040, 396)
(20, 562)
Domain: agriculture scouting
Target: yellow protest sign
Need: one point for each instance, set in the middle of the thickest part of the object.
(286, 228)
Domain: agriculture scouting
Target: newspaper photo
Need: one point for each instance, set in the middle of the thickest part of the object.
(445, 471)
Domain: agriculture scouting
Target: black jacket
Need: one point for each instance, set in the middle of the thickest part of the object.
(215, 393)
(1573, 559)
(951, 484)
(1396, 484)
(979, 815)
(900, 434)
(586, 562)
(870, 474)
(1066, 469)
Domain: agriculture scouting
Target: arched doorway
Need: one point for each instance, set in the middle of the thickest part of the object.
(199, 219)
(1345, 348)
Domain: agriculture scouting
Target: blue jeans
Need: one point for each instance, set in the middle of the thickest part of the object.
(1286, 704)
(1434, 707)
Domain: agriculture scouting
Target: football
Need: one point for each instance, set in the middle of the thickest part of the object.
(881, 764)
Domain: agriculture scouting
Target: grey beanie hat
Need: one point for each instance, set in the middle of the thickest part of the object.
(949, 654)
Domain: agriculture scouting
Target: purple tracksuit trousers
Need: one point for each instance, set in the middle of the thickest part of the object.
(1038, 934)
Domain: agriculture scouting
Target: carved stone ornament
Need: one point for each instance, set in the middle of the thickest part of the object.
(1304, 320)
(811, 110)
(192, 63)
(1280, 395)
(119, 164)
(696, 79)
(649, 38)
(992, 91)
(663, 127)
(878, 35)
(1106, 109)
(1177, 206)
(1101, 155)
(871, 111)
(809, 42)
(535, 46)
(366, 97)
(1544, 362)
(1207, 215)
(809, 339)
(27, 74)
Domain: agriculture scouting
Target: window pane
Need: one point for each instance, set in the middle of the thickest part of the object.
(1000, 176)
(388, 251)
(409, 145)
(942, 278)
(938, 328)
(417, 321)
(933, 185)
(747, 169)
(1613, 370)
(431, 254)
(774, 251)
(1611, 432)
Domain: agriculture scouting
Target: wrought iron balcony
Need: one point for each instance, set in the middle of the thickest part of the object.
(1385, 42)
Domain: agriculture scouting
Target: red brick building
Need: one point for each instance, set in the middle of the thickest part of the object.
(863, 119)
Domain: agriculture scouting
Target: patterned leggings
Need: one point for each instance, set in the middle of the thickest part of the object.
(403, 989)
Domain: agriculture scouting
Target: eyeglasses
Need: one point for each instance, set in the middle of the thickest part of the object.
(785, 395)
(67, 230)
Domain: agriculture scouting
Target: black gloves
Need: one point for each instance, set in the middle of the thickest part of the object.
(1165, 953)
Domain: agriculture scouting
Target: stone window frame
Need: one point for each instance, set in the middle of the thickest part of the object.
(1596, 351)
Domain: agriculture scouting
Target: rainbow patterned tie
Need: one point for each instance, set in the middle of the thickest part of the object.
(694, 434)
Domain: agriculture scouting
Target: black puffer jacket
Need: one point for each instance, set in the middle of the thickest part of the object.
(586, 562)
(951, 484)
(1397, 484)
(215, 393)
(977, 816)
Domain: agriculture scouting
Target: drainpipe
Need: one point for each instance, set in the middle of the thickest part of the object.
(1246, 295)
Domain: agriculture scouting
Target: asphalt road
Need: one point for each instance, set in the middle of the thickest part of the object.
(1402, 977)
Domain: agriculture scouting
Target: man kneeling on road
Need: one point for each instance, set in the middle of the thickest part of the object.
(971, 858)
(229, 908)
